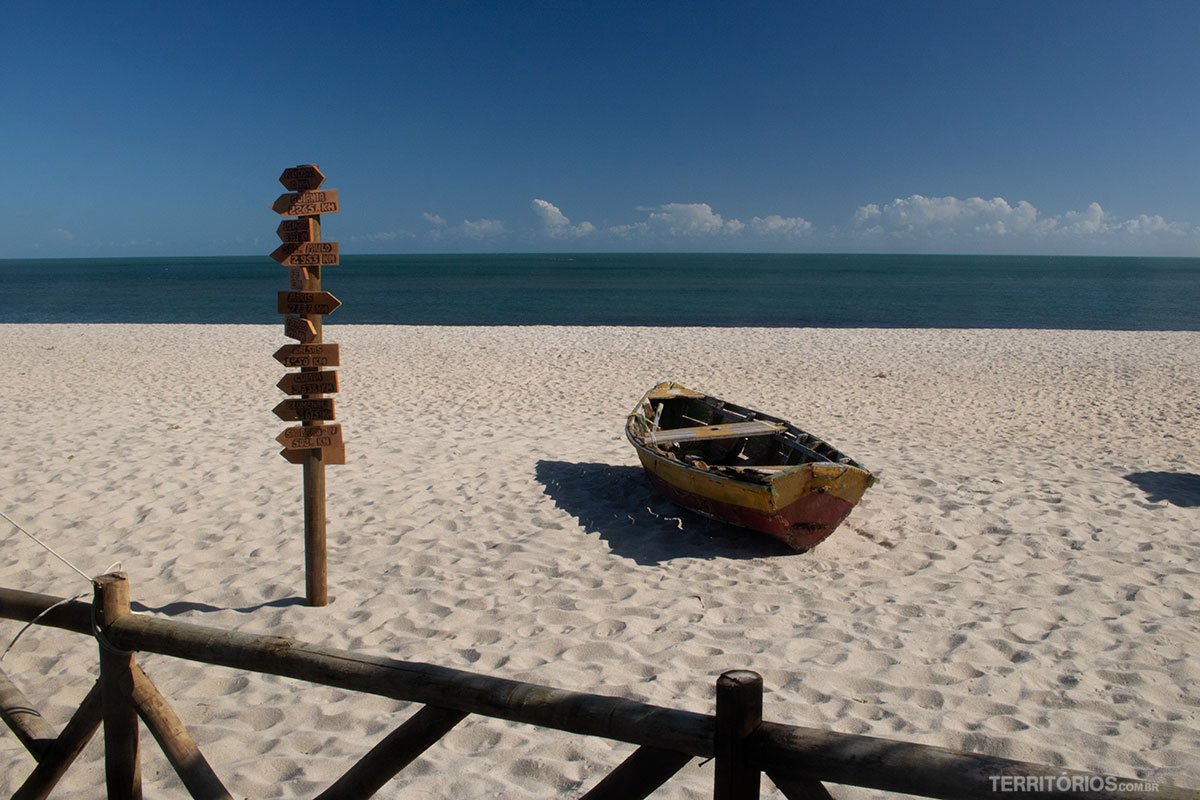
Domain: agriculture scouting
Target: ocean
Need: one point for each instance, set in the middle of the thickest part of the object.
(769, 290)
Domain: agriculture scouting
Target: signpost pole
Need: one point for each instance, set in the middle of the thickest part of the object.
(316, 585)
(304, 305)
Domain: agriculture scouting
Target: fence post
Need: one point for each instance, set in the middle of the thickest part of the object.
(739, 712)
(122, 754)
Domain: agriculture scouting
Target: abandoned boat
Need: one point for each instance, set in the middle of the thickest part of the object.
(744, 467)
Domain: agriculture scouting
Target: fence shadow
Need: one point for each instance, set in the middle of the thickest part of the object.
(618, 503)
(1178, 488)
(184, 606)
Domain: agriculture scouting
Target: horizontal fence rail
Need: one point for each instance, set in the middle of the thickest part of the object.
(793, 756)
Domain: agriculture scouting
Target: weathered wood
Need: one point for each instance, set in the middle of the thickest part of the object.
(23, 719)
(666, 393)
(397, 750)
(588, 714)
(787, 751)
(308, 303)
(302, 437)
(302, 178)
(177, 744)
(316, 558)
(319, 408)
(304, 204)
(305, 229)
(794, 788)
(24, 606)
(309, 383)
(308, 355)
(739, 713)
(334, 454)
(300, 329)
(728, 430)
(307, 254)
(63, 751)
(646, 769)
(783, 751)
(122, 751)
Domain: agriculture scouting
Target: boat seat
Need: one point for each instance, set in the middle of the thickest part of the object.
(728, 430)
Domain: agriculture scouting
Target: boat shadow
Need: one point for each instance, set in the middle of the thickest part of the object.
(1179, 488)
(619, 504)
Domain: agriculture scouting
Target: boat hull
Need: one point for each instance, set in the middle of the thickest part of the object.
(799, 508)
(800, 525)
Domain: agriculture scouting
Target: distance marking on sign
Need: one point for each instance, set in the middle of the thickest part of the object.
(299, 329)
(307, 254)
(307, 229)
(328, 455)
(308, 355)
(299, 204)
(301, 178)
(307, 303)
(305, 437)
(309, 383)
(292, 409)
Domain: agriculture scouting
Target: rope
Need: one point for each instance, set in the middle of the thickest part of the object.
(95, 628)
(51, 550)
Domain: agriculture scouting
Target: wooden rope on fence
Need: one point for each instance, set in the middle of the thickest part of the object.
(794, 757)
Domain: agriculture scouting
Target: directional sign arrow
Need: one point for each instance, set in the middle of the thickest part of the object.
(299, 204)
(304, 437)
(302, 178)
(300, 329)
(328, 455)
(307, 303)
(308, 355)
(292, 410)
(299, 230)
(307, 254)
(309, 383)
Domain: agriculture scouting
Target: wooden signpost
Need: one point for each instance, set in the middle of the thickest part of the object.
(307, 254)
(310, 444)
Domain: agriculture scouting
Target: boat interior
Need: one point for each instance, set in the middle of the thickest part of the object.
(713, 434)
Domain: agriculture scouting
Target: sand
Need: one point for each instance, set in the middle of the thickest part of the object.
(1022, 582)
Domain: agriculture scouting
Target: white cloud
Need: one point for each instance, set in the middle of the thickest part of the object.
(60, 234)
(946, 216)
(556, 224)
(776, 225)
(468, 229)
(679, 220)
(689, 219)
(975, 221)
(381, 236)
(482, 228)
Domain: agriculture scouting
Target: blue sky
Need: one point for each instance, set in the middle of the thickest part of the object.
(1024, 127)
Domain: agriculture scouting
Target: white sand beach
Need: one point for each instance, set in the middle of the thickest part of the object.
(1022, 582)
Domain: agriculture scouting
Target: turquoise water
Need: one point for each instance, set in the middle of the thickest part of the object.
(629, 289)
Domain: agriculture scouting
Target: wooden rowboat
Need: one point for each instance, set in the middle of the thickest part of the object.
(744, 467)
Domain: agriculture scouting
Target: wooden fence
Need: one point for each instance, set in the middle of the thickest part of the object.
(744, 747)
